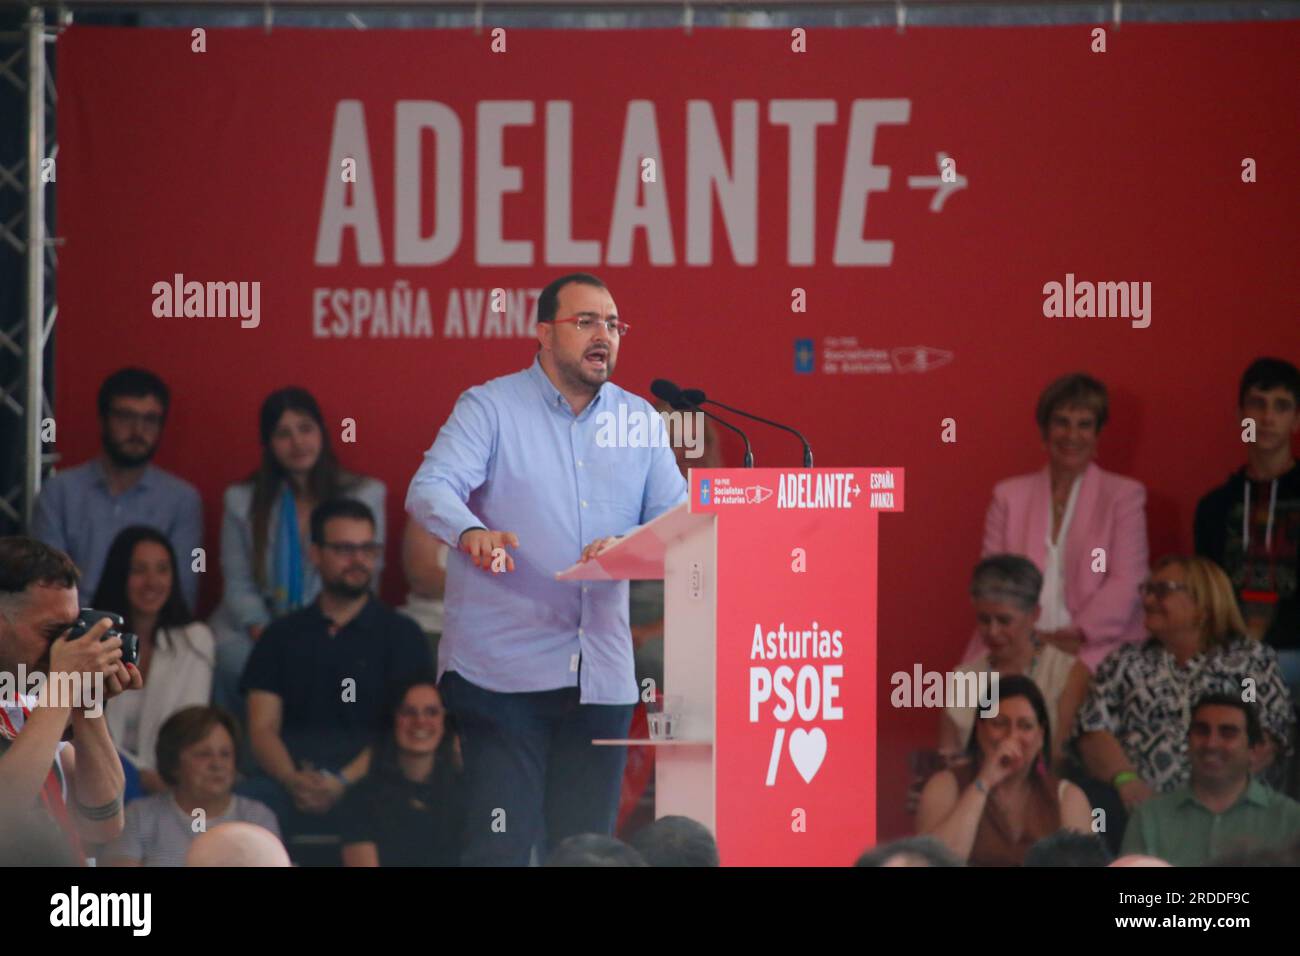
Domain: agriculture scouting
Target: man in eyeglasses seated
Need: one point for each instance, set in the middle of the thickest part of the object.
(1223, 809)
(317, 678)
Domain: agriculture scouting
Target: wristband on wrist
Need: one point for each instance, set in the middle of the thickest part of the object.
(1123, 777)
(106, 811)
(979, 785)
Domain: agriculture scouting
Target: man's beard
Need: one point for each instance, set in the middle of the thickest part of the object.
(577, 374)
(124, 459)
(342, 589)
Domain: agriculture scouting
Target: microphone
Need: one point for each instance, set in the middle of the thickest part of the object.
(696, 397)
(663, 389)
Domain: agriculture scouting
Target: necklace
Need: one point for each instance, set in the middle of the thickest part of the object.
(1183, 685)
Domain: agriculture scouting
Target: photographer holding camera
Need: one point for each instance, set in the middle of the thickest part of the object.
(78, 783)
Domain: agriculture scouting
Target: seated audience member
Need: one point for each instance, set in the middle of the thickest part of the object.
(594, 849)
(265, 528)
(424, 559)
(1004, 590)
(409, 810)
(1250, 525)
(912, 851)
(1059, 515)
(676, 841)
(1067, 848)
(237, 844)
(140, 582)
(317, 679)
(1222, 808)
(992, 809)
(81, 510)
(196, 760)
(1133, 724)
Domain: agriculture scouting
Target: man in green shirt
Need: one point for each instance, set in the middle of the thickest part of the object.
(1222, 808)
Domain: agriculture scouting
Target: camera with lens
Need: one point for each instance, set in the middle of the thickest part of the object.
(130, 642)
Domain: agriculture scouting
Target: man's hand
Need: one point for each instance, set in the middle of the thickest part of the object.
(597, 546)
(89, 654)
(305, 790)
(316, 792)
(479, 544)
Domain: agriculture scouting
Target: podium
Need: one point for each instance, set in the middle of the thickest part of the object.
(770, 628)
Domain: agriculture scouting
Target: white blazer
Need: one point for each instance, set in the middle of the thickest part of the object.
(180, 675)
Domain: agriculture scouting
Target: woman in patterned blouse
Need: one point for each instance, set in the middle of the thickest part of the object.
(1133, 725)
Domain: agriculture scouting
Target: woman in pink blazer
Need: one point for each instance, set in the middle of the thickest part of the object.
(1060, 516)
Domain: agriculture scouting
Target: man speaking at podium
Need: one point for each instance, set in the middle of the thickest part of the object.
(532, 668)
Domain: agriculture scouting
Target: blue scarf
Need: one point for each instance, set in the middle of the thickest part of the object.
(286, 562)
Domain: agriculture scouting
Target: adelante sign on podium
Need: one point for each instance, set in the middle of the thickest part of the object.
(770, 646)
(795, 717)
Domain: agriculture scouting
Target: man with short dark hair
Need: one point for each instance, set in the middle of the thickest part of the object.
(594, 849)
(80, 510)
(909, 851)
(77, 784)
(1069, 848)
(676, 841)
(317, 679)
(1223, 807)
(523, 481)
(1250, 525)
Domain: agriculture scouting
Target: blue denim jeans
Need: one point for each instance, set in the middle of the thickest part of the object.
(531, 772)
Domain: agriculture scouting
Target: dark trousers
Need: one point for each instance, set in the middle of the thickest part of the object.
(531, 772)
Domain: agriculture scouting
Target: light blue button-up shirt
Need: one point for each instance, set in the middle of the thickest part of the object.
(514, 457)
(78, 513)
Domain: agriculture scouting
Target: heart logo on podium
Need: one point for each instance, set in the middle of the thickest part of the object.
(807, 750)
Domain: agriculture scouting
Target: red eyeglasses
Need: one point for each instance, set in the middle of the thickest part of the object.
(587, 321)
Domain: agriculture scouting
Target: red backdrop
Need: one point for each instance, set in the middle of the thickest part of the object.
(1116, 166)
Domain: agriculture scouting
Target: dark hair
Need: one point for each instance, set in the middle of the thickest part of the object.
(924, 848)
(24, 561)
(1068, 848)
(594, 849)
(132, 383)
(326, 480)
(549, 301)
(327, 511)
(187, 727)
(384, 757)
(1269, 373)
(111, 594)
(1254, 730)
(1017, 685)
(1077, 388)
(676, 841)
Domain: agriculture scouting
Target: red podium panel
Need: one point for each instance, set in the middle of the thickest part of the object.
(795, 719)
(770, 649)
